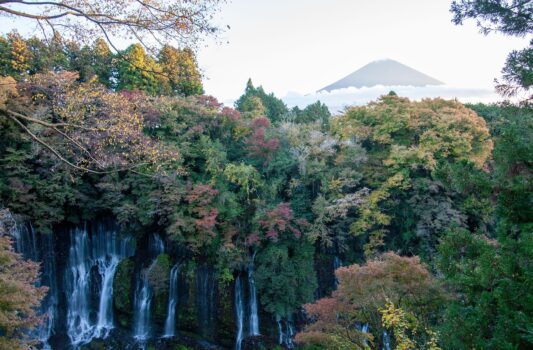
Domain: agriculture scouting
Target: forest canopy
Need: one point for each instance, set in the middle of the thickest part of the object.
(397, 224)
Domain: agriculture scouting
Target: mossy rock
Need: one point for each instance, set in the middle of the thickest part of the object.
(158, 277)
(187, 315)
(123, 292)
(226, 316)
(96, 344)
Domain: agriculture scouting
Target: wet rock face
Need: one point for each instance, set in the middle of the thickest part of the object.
(258, 342)
(158, 277)
(123, 292)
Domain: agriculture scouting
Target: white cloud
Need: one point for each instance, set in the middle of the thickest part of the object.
(337, 100)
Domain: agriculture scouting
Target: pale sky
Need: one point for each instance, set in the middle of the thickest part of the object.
(295, 47)
(303, 45)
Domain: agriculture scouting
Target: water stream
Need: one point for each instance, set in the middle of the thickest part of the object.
(170, 322)
(239, 311)
(92, 261)
(144, 294)
(40, 248)
(254, 317)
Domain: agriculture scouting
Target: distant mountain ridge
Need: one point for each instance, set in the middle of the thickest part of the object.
(384, 72)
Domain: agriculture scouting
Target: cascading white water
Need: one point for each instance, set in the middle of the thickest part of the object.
(105, 310)
(170, 322)
(254, 318)
(364, 329)
(281, 334)
(290, 335)
(239, 310)
(386, 341)
(40, 248)
(143, 302)
(285, 335)
(144, 293)
(101, 252)
(79, 325)
(336, 264)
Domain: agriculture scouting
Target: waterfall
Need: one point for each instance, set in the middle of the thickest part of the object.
(363, 327)
(155, 245)
(386, 341)
(336, 264)
(143, 293)
(170, 322)
(254, 318)
(285, 333)
(105, 311)
(80, 329)
(239, 310)
(99, 252)
(143, 302)
(281, 335)
(205, 301)
(40, 248)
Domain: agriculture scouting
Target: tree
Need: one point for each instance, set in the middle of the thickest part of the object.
(139, 71)
(16, 56)
(408, 143)
(405, 327)
(180, 66)
(315, 112)
(83, 125)
(19, 298)
(155, 22)
(490, 272)
(363, 292)
(150, 23)
(511, 17)
(258, 143)
(274, 108)
(285, 276)
(91, 61)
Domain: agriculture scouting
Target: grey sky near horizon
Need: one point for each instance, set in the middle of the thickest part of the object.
(295, 47)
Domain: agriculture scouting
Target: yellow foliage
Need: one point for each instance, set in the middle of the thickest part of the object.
(405, 327)
(410, 137)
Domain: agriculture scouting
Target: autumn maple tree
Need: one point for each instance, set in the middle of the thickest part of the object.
(19, 297)
(363, 291)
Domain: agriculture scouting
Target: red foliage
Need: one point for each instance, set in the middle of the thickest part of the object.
(201, 199)
(279, 220)
(209, 102)
(231, 113)
(261, 122)
(257, 143)
(253, 239)
(201, 195)
(363, 290)
(208, 221)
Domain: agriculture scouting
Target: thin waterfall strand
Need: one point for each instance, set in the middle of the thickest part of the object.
(144, 293)
(254, 318)
(170, 322)
(40, 248)
(239, 310)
